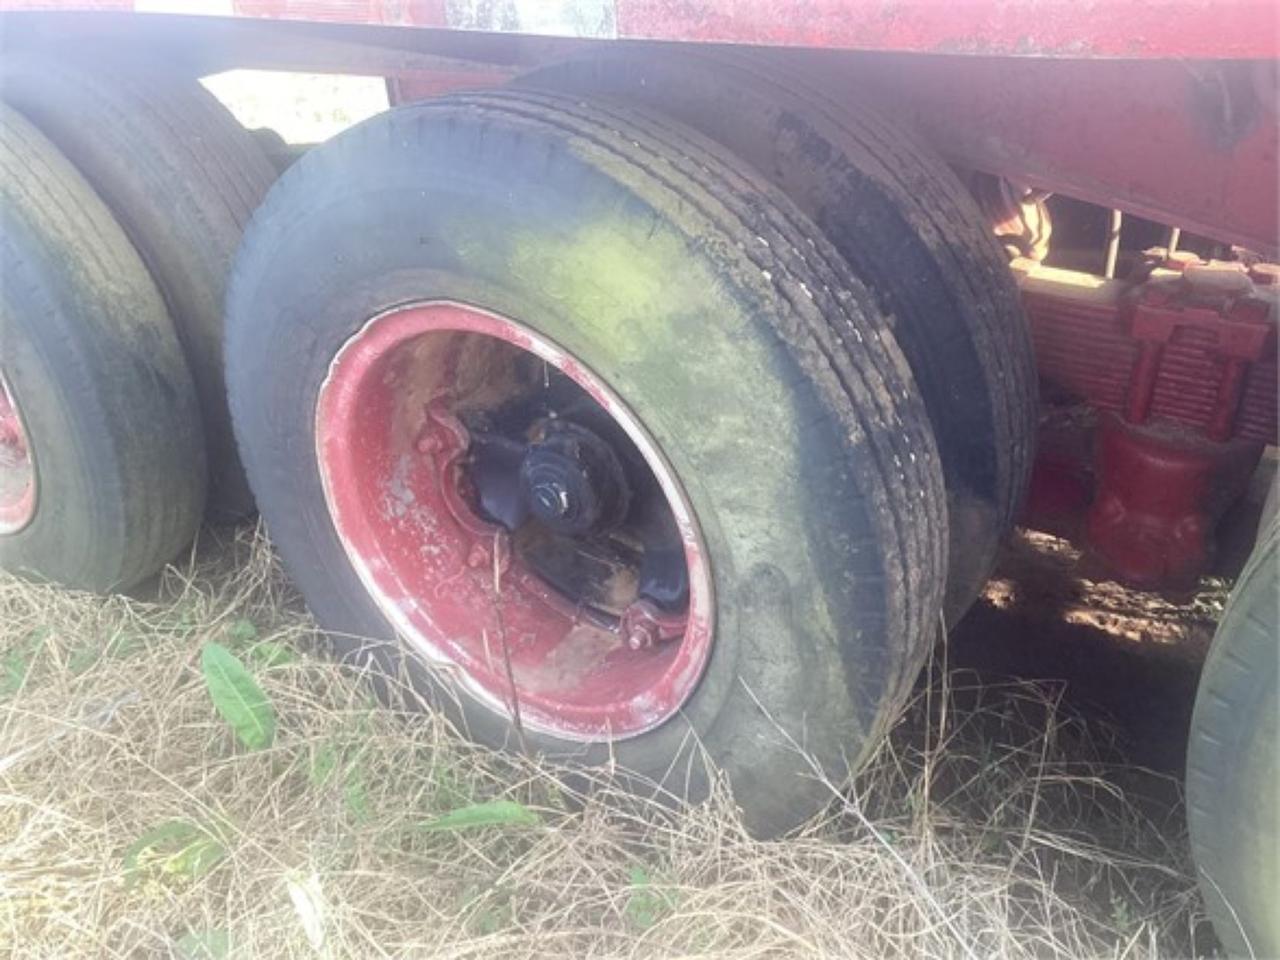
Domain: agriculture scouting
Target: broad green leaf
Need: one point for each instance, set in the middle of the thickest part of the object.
(206, 945)
(176, 847)
(494, 813)
(197, 858)
(237, 697)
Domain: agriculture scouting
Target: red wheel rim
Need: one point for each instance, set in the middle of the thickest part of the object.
(17, 468)
(464, 590)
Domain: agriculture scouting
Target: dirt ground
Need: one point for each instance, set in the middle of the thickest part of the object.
(1128, 661)
(1128, 657)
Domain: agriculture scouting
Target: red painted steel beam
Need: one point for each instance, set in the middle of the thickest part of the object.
(1191, 144)
(1221, 29)
(1183, 141)
(1191, 29)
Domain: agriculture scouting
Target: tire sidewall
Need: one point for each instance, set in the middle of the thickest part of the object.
(74, 522)
(1233, 810)
(844, 182)
(774, 635)
(105, 398)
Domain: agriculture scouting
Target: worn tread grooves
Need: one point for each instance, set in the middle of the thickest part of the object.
(76, 226)
(894, 450)
(192, 180)
(963, 258)
(871, 334)
(845, 390)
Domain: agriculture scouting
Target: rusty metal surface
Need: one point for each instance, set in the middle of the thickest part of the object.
(1160, 396)
(1194, 29)
(391, 450)
(1088, 348)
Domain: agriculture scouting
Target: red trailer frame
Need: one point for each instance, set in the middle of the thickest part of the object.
(1127, 29)
(1162, 108)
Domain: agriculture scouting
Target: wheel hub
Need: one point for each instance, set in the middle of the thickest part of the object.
(572, 480)
(513, 520)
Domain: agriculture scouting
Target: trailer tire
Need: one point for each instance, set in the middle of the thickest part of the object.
(911, 233)
(182, 177)
(1233, 777)
(102, 394)
(761, 371)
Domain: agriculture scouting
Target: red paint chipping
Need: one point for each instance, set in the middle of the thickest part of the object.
(390, 452)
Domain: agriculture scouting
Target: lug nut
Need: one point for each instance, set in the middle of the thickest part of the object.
(642, 636)
(429, 443)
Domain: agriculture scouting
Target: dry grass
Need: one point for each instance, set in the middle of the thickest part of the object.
(989, 826)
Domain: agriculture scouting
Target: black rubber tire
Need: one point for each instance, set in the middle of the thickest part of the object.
(912, 234)
(1233, 770)
(182, 177)
(761, 369)
(99, 378)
